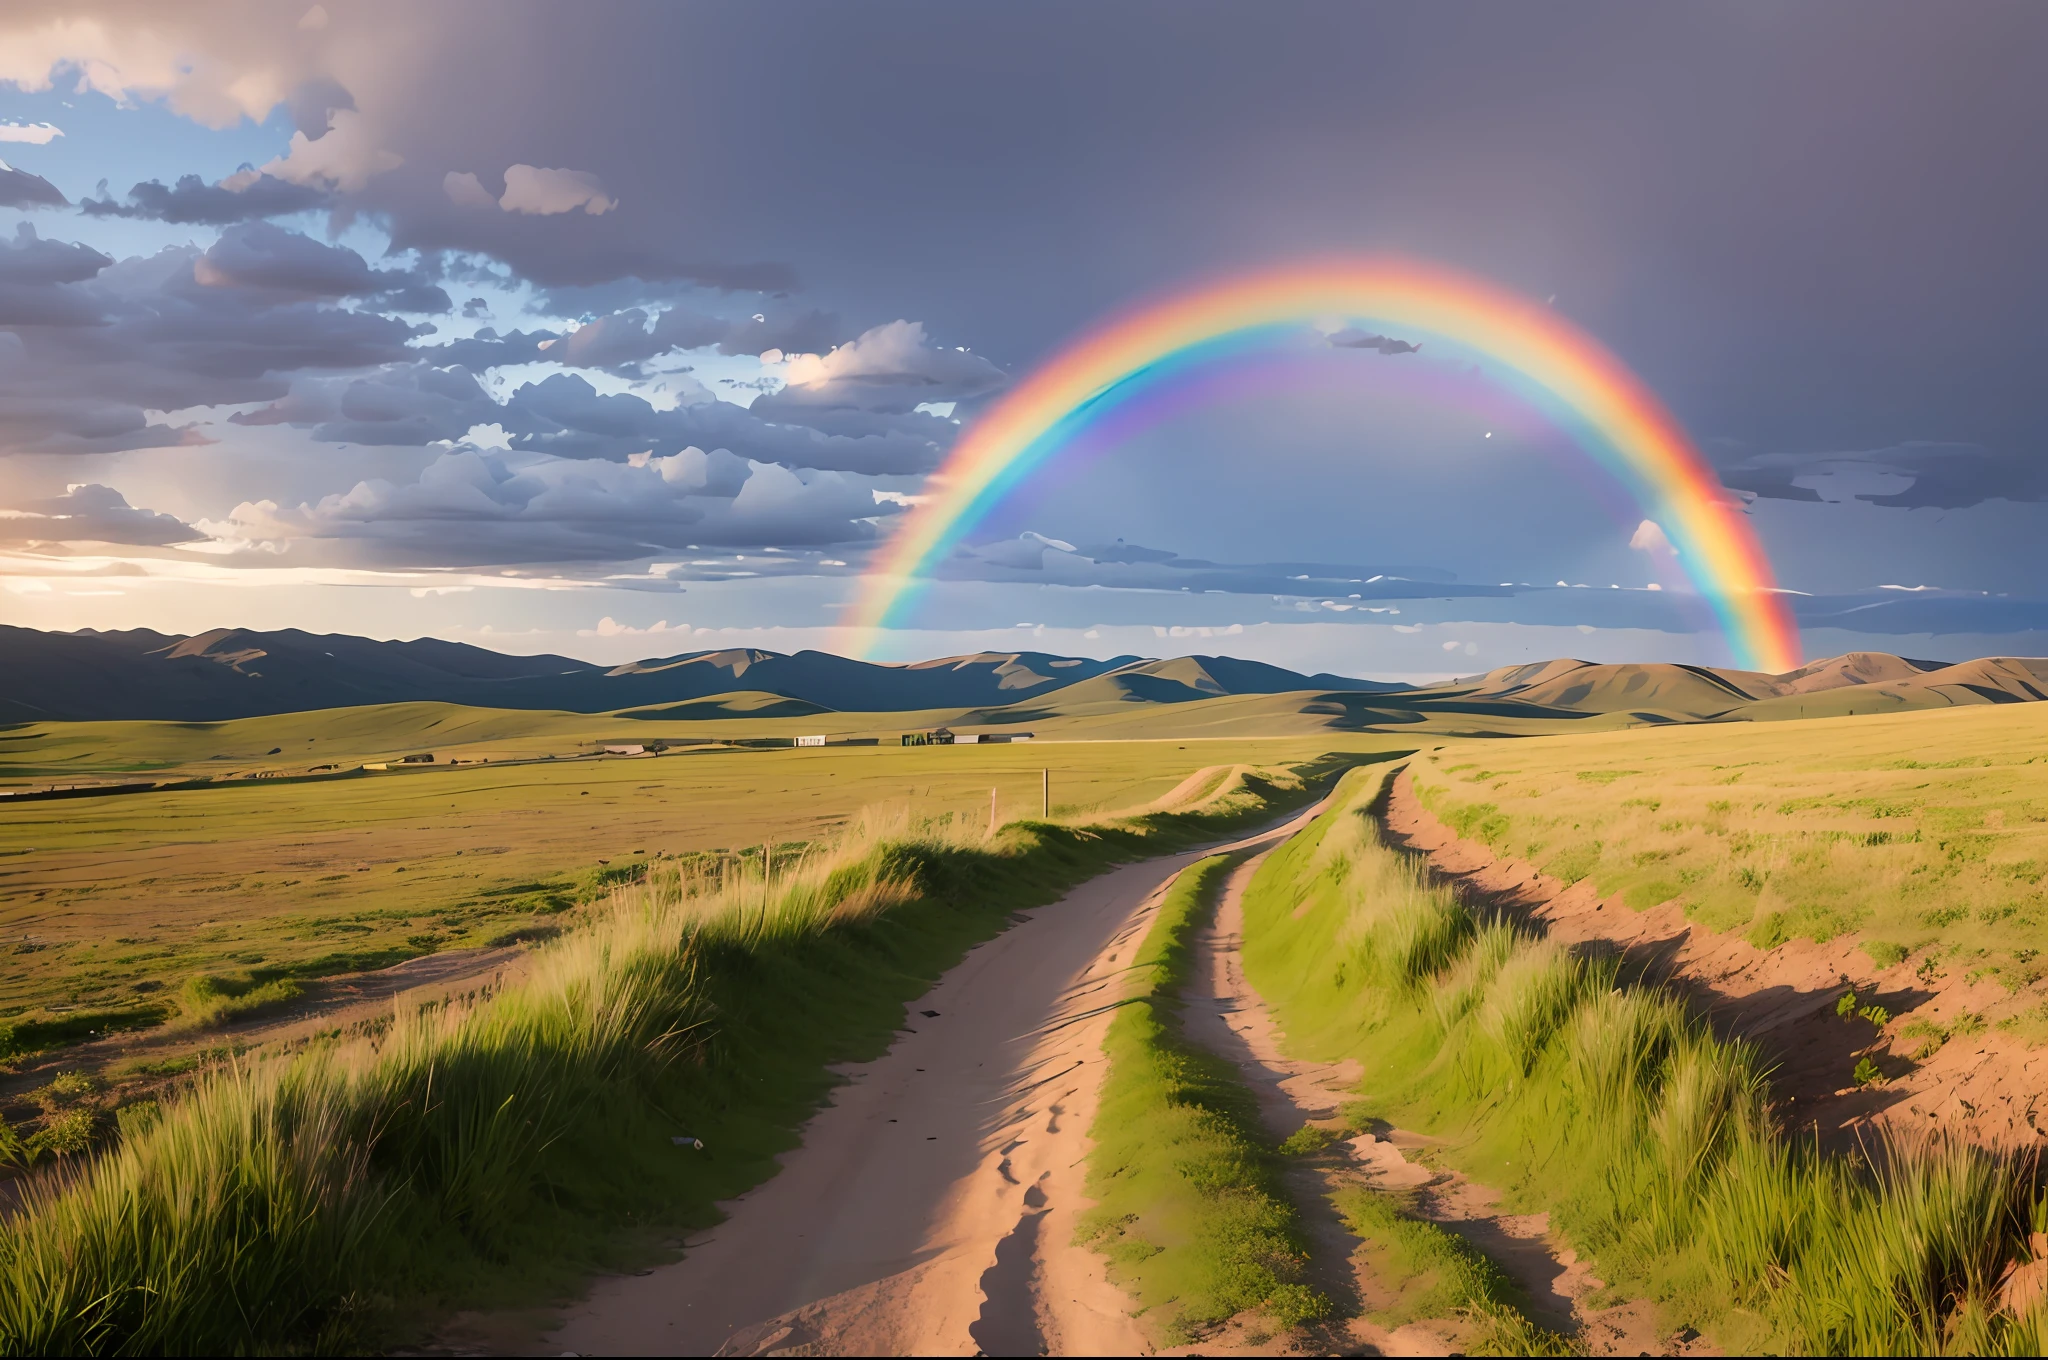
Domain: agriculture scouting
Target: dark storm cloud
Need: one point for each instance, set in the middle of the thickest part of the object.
(978, 169)
(416, 403)
(1933, 611)
(468, 508)
(33, 273)
(1935, 475)
(1951, 476)
(1581, 152)
(96, 343)
(849, 410)
(258, 256)
(1352, 338)
(314, 103)
(408, 405)
(30, 260)
(89, 513)
(20, 189)
(623, 341)
(194, 201)
(1034, 557)
(564, 415)
(792, 332)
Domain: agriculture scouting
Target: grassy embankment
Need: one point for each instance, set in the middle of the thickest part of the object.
(489, 1151)
(111, 908)
(1923, 834)
(1651, 1142)
(1191, 1210)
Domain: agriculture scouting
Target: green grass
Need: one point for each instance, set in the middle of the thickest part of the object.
(1649, 1140)
(492, 1151)
(109, 905)
(1434, 1273)
(1922, 835)
(1190, 1212)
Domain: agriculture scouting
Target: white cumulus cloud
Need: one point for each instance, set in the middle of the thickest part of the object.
(345, 158)
(466, 190)
(1650, 537)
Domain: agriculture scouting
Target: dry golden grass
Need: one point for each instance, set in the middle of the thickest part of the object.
(1925, 835)
(116, 902)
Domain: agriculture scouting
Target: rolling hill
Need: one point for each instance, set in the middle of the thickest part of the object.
(238, 673)
(231, 673)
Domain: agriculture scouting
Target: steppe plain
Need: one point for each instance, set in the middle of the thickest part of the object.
(1843, 886)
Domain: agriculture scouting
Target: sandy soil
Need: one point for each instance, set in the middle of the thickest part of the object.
(931, 1207)
(1224, 1013)
(1988, 1087)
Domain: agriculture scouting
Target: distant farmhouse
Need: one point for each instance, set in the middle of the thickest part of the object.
(946, 736)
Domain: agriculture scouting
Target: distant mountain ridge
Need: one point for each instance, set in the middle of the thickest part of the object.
(1855, 682)
(237, 673)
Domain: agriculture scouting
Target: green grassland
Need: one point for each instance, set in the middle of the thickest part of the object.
(1650, 1141)
(1923, 834)
(341, 1195)
(110, 905)
(1189, 1208)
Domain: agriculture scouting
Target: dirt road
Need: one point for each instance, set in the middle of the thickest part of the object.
(930, 1209)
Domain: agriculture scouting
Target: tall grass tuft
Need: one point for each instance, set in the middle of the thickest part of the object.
(1652, 1141)
(494, 1145)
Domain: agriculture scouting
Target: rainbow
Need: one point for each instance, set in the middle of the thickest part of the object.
(1590, 394)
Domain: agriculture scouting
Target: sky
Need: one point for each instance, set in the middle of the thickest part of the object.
(626, 330)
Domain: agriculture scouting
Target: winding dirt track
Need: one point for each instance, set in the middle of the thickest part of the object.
(930, 1209)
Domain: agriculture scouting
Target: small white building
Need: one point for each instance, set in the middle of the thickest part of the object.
(810, 741)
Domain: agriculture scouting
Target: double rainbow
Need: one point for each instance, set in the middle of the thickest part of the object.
(1586, 390)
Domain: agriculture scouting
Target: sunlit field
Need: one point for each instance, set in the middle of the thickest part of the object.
(113, 903)
(503, 1142)
(1923, 835)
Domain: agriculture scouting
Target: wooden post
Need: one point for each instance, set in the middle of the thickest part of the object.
(991, 812)
(767, 863)
(1046, 794)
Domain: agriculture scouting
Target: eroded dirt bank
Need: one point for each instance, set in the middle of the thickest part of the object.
(1984, 1085)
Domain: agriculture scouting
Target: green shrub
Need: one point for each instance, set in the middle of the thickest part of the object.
(137, 1119)
(209, 1001)
(28, 1034)
(1309, 1138)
